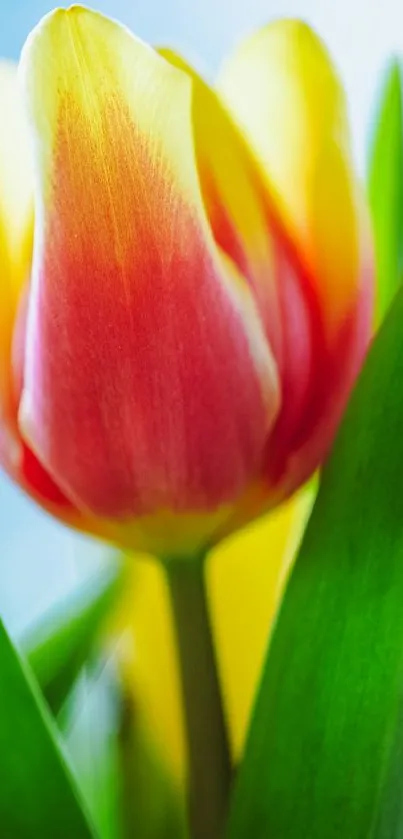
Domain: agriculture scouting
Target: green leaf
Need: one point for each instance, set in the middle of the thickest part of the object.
(385, 187)
(60, 644)
(38, 797)
(324, 758)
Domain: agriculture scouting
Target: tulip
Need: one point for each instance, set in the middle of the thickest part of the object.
(243, 594)
(177, 356)
(177, 360)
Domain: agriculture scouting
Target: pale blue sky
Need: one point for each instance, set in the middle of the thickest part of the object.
(38, 558)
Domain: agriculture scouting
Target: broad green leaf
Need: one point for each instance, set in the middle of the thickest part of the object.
(385, 187)
(38, 796)
(324, 758)
(59, 645)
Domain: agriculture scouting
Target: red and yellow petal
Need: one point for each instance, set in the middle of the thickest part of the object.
(246, 223)
(284, 92)
(16, 235)
(235, 198)
(282, 88)
(16, 457)
(119, 402)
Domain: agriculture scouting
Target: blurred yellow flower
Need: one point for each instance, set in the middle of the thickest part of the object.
(245, 578)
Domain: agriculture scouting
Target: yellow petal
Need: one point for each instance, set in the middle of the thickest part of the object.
(16, 220)
(282, 88)
(246, 577)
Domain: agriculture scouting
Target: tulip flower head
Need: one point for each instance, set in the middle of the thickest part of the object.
(180, 353)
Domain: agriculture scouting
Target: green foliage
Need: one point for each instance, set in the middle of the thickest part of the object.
(38, 797)
(115, 785)
(385, 187)
(126, 787)
(91, 722)
(324, 758)
(61, 643)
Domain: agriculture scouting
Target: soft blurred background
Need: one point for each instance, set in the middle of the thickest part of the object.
(41, 562)
(40, 559)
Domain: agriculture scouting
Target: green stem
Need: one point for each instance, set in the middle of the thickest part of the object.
(209, 764)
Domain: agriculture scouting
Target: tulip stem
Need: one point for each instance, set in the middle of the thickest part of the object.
(209, 762)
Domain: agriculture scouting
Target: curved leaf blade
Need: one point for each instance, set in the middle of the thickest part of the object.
(325, 752)
(59, 645)
(38, 796)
